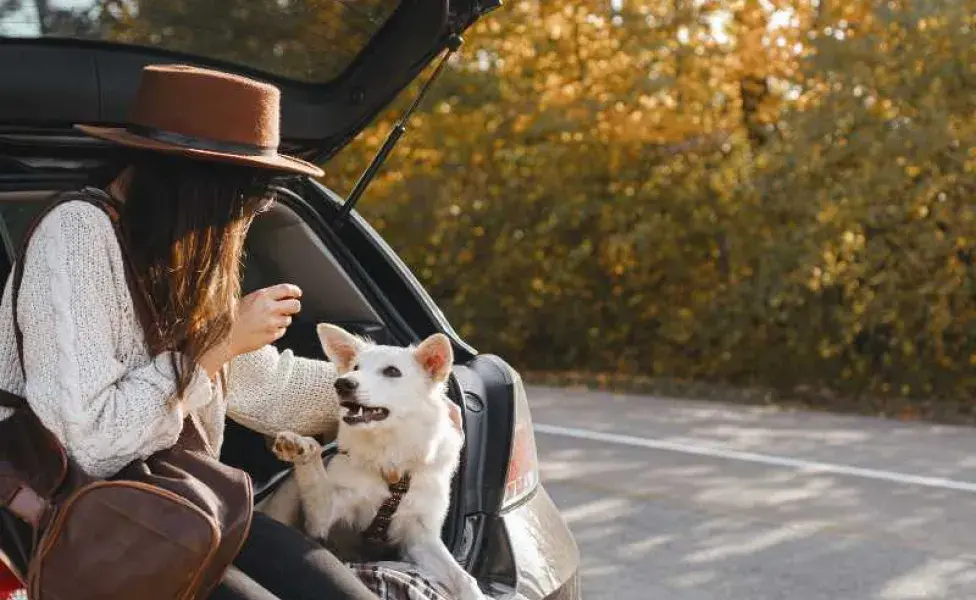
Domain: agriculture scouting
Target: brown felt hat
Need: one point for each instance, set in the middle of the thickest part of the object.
(205, 114)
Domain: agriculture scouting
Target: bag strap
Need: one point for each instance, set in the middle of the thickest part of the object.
(8, 400)
(193, 436)
(112, 208)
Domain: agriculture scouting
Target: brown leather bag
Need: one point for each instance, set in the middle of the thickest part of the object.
(164, 528)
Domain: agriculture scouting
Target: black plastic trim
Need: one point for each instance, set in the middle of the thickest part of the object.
(56, 82)
(489, 432)
(390, 271)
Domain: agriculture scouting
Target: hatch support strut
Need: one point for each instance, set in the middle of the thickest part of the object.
(453, 44)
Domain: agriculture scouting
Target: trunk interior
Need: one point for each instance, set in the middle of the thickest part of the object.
(280, 248)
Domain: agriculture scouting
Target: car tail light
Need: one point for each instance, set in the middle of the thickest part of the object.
(10, 586)
(523, 463)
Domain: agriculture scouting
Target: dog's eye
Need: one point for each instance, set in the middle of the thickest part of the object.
(392, 372)
(355, 368)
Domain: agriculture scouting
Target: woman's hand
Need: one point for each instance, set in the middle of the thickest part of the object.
(262, 318)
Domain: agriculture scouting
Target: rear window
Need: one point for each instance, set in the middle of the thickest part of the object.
(306, 40)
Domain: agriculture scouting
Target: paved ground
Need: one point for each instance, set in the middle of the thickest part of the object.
(678, 500)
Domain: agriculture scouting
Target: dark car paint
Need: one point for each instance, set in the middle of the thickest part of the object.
(532, 554)
(545, 553)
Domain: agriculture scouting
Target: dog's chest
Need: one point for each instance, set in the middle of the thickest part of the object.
(361, 505)
(360, 495)
(358, 503)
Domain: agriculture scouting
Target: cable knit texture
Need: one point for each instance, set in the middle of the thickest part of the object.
(90, 378)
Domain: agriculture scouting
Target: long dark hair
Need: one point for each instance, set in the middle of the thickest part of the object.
(184, 222)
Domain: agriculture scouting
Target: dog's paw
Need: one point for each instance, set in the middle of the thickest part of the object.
(294, 448)
(468, 589)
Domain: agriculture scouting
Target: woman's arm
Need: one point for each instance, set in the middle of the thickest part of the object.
(76, 315)
(272, 391)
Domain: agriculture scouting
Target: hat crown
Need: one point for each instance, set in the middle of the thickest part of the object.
(207, 105)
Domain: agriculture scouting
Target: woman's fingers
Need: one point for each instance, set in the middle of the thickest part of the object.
(283, 291)
(287, 307)
(264, 317)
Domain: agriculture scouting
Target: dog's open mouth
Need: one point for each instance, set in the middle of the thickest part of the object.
(357, 414)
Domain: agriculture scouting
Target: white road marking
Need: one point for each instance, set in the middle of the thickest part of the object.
(807, 466)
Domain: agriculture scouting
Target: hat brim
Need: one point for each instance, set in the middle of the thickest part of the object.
(278, 162)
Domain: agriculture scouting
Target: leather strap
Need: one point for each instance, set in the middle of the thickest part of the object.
(377, 532)
(112, 208)
(198, 143)
(8, 400)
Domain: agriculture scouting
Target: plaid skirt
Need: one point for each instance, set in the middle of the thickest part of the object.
(394, 580)
(388, 580)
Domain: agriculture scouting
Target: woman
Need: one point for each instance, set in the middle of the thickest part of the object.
(204, 153)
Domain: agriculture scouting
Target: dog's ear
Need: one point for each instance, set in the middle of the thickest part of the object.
(339, 345)
(435, 356)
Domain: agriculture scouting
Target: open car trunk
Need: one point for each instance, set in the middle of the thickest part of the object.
(80, 62)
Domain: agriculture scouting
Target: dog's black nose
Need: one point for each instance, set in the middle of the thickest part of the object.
(345, 386)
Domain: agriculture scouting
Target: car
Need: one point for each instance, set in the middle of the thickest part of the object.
(338, 64)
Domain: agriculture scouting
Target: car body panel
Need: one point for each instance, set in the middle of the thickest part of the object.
(546, 555)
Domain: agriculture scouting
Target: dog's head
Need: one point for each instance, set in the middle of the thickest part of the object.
(382, 386)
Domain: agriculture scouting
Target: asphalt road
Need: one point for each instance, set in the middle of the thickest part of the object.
(680, 500)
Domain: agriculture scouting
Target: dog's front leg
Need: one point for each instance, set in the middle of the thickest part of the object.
(313, 486)
(431, 555)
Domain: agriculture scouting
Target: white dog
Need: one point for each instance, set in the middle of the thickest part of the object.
(396, 432)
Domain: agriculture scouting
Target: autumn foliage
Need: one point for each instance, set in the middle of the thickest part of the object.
(757, 192)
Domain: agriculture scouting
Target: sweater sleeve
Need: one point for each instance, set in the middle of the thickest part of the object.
(75, 312)
(272, 391)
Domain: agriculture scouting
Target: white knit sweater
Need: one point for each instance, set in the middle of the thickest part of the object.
(90, 378)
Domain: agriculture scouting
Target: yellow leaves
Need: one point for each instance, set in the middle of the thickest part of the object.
(594, 197)
(521, 123)
(852, 241)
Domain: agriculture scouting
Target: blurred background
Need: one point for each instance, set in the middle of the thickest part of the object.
(773, 194)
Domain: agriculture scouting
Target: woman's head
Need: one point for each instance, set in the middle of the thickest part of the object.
(208, 146)
(184, 222)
